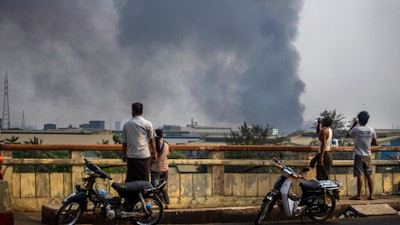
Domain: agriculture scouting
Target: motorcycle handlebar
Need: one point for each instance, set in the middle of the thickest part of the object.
(287, 169)
(97, 170)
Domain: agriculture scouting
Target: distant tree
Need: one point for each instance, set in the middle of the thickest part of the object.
(105, 142)
(56, 154)
(116, 139)
(255, 134)
(107, 154)
(338, 128)
(34, 141)
(176, 155)
(12, 140)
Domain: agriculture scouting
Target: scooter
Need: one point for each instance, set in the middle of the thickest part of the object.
(318, 198)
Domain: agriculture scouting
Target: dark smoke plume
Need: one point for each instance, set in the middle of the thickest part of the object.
(219, 62)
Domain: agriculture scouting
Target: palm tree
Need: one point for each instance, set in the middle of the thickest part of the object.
(12, 140)
(35, 141)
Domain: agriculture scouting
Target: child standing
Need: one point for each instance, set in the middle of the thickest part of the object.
(159, 168)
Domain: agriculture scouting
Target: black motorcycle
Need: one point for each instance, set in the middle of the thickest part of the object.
(138, 201)
(318, 199)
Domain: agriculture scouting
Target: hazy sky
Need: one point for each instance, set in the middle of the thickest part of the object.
(350, 59)
(218, 62)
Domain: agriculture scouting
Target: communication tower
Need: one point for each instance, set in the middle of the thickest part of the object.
(6, 112)
(23, 120)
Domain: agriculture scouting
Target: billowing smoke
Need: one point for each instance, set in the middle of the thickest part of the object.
(219, 62)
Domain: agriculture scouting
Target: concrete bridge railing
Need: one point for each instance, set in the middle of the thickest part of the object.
(189, 189)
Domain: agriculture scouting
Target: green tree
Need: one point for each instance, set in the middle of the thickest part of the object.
(63, 154)
(12, 140)
(108, 154)
(117, 139)
(255, 134)
(176, 155)
(105, 142)
(34, 141)
(338, 127)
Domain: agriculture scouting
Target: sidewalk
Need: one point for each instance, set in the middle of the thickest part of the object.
(227, 214)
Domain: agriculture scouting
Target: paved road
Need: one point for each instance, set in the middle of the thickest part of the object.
(34, 218)
(381, 220)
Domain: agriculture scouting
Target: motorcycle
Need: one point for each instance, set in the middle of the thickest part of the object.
(138, 201)
(318, 198)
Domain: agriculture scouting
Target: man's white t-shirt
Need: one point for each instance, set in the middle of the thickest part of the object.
(136, 134)
(363, 136)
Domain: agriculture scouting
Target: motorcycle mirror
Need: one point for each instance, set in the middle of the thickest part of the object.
(306, 169)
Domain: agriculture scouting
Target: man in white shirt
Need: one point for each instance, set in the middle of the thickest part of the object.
(138, 145)
(364, 136)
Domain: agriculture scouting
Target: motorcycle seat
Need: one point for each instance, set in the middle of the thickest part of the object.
(133, 186)
(310, 185)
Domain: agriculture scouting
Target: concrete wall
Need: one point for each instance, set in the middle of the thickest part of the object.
(30, 190)
(6, 213)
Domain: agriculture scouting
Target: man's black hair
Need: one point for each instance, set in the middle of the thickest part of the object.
(328, 121)
(137, 108)
(363, 117)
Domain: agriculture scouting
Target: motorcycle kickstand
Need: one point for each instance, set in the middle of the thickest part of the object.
(302, 220)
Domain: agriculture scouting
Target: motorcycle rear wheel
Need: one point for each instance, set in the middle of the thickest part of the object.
(154, 215)
(69, 213)
(326, 207)
(264, 210)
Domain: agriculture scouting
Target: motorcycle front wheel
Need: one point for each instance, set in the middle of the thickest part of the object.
(69, 213)
(325, 207)
(264, 210)
(152, 215)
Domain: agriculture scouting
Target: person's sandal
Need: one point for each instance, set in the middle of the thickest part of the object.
(355, 198)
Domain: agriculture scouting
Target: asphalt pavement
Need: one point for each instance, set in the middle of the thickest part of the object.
(196, 216)
(381, 220)
(34, 218)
